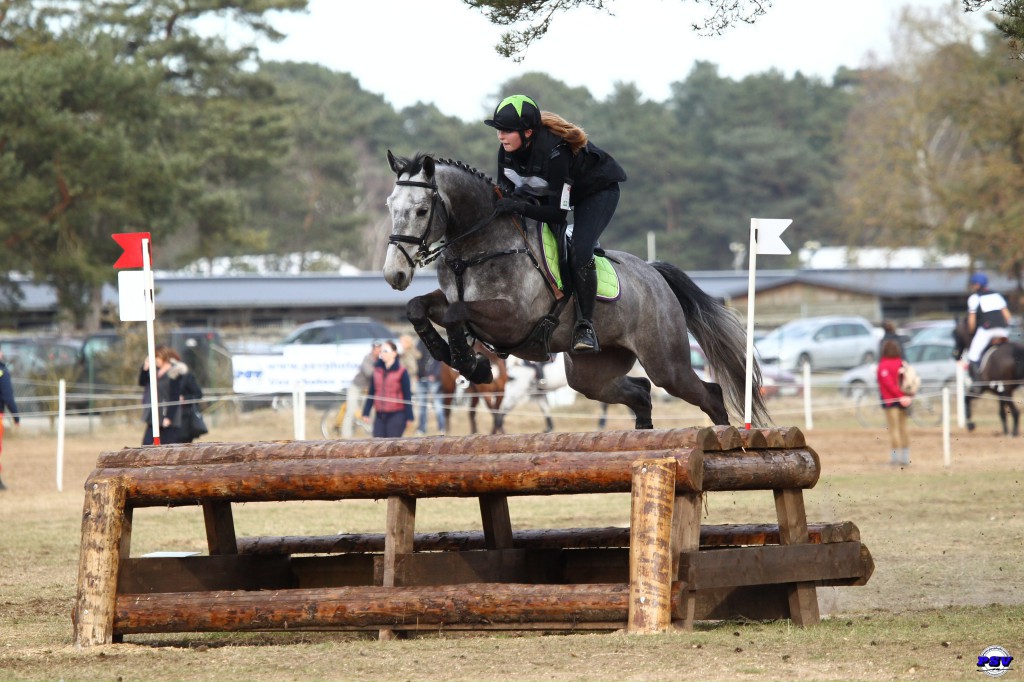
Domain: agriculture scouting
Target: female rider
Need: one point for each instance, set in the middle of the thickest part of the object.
(547, 167)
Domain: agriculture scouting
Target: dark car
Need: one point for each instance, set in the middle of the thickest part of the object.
(37, 364)
(112, 358)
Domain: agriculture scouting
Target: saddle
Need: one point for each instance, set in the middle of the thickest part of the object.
(607, 279)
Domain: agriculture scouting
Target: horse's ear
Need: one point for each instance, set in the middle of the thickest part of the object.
(393, 162)
(428, 166)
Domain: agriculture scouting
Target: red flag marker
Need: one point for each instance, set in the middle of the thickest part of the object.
(131, 242)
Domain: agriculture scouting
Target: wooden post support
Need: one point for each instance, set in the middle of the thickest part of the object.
(650, 546)
(686, 538)
(803, 598)
(398, 539)
(220, 528)
(102, 522)
(497, 523)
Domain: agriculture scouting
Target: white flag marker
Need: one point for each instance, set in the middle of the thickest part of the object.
(765, 239)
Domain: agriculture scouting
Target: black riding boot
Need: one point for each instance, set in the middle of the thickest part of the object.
(974, 371)
(584, 338)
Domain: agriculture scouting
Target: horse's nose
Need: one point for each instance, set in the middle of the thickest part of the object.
(399, 280)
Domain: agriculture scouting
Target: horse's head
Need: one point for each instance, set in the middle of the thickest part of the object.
(419, 216)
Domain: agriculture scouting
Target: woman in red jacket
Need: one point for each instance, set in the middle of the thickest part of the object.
(894, 401)
(389, 395)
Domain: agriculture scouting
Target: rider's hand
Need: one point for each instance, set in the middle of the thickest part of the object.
(905, 400)
(509, 205)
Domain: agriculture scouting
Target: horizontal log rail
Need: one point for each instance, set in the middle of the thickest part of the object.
(548, 473)
(373, 607)
(725, 535)
(704, 438)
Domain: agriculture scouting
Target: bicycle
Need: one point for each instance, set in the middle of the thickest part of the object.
(333, 417)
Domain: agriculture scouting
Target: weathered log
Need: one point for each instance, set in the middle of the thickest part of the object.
(372, 607)
(716, 438)
(650, 552)
(726, 535)
(415, 476)
(761, 469)
(102, 522)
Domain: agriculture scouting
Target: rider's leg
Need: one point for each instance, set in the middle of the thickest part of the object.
(584, 338)
(592, 214)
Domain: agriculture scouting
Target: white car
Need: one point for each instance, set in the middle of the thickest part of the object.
(933, 361)
(832, 342)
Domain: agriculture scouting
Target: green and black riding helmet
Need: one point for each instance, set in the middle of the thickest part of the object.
(516, 112)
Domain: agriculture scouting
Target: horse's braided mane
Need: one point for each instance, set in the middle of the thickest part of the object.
(417, 163)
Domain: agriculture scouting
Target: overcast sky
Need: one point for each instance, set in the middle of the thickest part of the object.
(442, 51)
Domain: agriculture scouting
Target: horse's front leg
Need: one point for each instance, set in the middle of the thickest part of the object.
(466, 361)
(424, 312)
(499, 319)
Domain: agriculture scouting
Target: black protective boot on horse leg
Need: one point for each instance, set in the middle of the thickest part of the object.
(584, 338)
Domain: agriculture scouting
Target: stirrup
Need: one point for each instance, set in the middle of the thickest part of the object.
(584, 338)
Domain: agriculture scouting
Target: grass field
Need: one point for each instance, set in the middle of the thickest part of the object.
(949, 577)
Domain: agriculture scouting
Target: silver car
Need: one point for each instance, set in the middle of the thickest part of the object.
(933, 361)
(831, 342)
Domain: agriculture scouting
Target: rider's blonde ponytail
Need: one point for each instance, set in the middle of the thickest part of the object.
(571, 133)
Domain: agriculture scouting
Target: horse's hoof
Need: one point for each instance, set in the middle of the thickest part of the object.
(482, 374)
(646, 425)
(970, 426)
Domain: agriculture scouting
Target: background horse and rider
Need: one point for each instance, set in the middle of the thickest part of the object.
(494, 288)
(1001, 372)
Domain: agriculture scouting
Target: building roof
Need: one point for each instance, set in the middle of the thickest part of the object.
(370, 290)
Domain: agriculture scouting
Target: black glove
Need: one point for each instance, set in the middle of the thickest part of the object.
(510, 205)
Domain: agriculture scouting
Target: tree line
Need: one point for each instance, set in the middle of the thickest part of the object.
(125, 115)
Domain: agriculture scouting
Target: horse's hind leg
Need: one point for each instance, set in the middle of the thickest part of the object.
(602, 377)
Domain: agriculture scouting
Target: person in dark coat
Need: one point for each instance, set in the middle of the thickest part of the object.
(547, 167)
(7, 404)
(389, 395)
(185, 385)
(167, 399)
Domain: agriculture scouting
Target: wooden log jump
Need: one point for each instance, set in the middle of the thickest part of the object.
(663, 571)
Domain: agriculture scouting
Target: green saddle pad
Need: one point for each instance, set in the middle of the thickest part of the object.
(607, 280)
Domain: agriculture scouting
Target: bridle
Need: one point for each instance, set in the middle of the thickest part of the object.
(424, 254)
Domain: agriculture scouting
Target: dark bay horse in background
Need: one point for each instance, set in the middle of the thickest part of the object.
(1002, 371)
(493, 289)
(492, 394)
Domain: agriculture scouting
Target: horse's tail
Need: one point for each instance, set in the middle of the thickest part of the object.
(724, 340)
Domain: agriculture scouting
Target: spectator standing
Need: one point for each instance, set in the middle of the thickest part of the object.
(389, 395)
(7, 403)
(185, 385)
(167, 400)
(428, 392)
(889, 334)
(894, 401)
(357, 389)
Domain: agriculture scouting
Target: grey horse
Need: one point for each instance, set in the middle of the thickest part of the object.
(495, 289)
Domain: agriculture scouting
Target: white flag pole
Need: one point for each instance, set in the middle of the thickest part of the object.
(62, 399)
(150, 341)
(765, 238)
(748, 386)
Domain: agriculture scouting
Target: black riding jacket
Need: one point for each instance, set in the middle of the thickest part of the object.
(544, 169)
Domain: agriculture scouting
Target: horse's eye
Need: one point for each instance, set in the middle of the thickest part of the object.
(420, 212)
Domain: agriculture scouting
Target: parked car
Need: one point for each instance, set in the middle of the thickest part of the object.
(775, 381)
(928, 331)
(933, 361)
(831, 342)
(335, 331)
